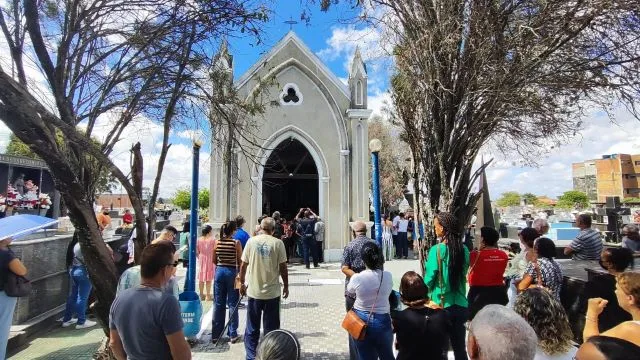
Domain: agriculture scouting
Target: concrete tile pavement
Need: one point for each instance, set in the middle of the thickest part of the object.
(314, 311)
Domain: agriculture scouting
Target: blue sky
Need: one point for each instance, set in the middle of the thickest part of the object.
(333, 37)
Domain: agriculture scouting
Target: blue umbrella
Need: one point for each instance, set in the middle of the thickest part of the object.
(21, 225)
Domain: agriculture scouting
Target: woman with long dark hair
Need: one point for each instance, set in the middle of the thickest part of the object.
(226, 254)
(445, 276)
(372, 288)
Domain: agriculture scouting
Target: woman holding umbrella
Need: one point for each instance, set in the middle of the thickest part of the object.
(8, 262)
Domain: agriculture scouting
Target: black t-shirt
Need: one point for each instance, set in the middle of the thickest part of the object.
(308, 226)
(421, 334)
(604, 286)
(6, 256)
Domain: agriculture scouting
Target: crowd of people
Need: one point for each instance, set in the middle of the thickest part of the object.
(510, 307)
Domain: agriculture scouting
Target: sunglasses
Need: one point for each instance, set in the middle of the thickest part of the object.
(174, 264)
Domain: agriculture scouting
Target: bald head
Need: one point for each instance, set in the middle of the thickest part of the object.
(359, 227)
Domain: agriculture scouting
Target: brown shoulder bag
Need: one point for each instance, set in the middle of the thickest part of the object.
(355, 326)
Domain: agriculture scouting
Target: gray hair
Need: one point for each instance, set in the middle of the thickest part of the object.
(268, 224)
(279, 345)
(539, 224)
(503, 334)
(276, 215)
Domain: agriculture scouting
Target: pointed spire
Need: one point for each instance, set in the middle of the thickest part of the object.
(224, 56)
(357, 64)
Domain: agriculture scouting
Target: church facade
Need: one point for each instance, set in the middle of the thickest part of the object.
(311, 145)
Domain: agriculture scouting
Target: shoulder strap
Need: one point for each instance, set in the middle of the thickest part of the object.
(440, 280)
(376, 299)
(536, 265)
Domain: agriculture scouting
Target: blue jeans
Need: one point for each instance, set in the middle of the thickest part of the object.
(459, 316)
(7, 304)
(269, 312)
(378, 341)
(309, 248)
(225, 294)
(78, 294)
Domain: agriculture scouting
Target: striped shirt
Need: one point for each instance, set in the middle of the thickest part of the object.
(226, 253)
(587, 245)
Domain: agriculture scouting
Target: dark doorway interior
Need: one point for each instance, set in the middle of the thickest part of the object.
(290, 180)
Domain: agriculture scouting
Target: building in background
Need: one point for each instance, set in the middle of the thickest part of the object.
(613, 175)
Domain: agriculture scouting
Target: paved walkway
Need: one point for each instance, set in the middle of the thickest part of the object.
(314, 311)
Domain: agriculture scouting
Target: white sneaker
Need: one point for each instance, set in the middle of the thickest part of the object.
(69, 323)
(87, 324)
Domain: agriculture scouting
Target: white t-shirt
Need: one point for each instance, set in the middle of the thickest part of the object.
(365, 285)
(264, 254)
(395, 222)
(403, 225)
(540, 355)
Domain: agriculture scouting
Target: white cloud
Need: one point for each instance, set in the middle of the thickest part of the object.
(378, 101)
(552, 177)
(374, 47)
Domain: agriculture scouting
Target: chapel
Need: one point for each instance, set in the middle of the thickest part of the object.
(309, 148)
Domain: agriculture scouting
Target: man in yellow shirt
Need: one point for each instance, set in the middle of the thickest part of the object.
(264, 260)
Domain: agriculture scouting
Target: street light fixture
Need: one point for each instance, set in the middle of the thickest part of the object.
(375, 145)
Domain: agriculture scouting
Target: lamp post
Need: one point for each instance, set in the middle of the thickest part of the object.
(375, 145)
(193, 221)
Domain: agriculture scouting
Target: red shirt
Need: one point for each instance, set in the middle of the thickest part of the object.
(487, 267)
(127, 218)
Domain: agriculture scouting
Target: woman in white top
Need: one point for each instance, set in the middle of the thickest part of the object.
(549, 320)
(372, 288)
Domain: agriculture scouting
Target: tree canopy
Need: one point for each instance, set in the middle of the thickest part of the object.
(182, 198)
(509, 198)
(573, 199)
(392, 160)
(516, 74)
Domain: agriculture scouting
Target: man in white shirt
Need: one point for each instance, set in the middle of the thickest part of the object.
(402, 246)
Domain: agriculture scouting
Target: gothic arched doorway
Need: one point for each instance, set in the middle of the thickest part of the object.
(290, 180)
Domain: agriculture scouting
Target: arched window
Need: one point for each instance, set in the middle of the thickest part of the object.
(359, 93)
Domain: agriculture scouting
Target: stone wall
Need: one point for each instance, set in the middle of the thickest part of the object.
(45, 261)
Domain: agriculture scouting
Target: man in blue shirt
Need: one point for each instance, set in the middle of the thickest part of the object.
(240, 234)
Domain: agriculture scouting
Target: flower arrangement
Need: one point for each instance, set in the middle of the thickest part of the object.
(13, 196)
(45, 201)
(30, 200)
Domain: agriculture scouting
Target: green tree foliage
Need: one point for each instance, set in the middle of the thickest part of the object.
(392, 161)
(631, 200)
(509, 198)
(182, 198)
(573, 199)
(18, 148)
(530, 199)
(203, 198)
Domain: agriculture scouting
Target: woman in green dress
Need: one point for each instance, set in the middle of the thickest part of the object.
(446, 267)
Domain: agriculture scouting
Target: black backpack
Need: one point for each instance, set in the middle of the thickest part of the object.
(309, 229)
